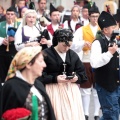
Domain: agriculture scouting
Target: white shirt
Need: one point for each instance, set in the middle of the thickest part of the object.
(31, 32)
(40, 15)
(97, 58)
(85, 21)
(72, 24)
(55, 27)
(62, 55)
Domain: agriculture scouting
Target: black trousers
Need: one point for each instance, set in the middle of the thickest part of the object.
(5, 61)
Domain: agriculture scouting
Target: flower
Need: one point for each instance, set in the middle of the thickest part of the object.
(17, 113)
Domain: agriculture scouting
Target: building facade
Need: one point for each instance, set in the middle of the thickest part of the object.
(67, 4)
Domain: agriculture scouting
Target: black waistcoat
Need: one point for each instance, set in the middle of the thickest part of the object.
(107, 76)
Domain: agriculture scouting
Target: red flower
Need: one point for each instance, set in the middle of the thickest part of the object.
(14, 114)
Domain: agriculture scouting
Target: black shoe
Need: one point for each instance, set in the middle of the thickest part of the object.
(97, 118)
(86, 117)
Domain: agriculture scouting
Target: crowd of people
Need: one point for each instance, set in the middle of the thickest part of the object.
(50, 64)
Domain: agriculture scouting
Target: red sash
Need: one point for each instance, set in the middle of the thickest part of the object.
(50, 28)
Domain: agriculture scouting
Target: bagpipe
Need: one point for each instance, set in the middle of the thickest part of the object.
(108, 9)
(43, 34)
(31, 5)
(11, 32)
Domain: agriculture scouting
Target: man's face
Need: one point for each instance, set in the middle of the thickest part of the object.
(94, 18)
(42, 5)
(55, 17)
(10, 16)
(85, 13)
(21, 3)
(109, 30)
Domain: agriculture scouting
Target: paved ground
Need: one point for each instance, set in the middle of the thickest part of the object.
(91, 116)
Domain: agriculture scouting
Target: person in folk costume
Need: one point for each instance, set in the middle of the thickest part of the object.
(74, 23)
(117, 18)
(55, 21)
(2, 14)
(105, 61)
(35, 37)
(61, 62)
(22, 12)
(81, 3)
(43, 13)
(83, 39)
(85, 14)
(23, 89)
(18, 5)
(7, 48)
(111, 6)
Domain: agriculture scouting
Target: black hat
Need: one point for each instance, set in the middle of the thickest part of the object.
(11, 9)
(52, 8)
(105, 20)
(87, 4)
(62, 35)
(94, 9)
(117, 15)
(32, 5)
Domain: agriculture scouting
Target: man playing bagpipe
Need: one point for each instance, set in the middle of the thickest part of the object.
(7, 48)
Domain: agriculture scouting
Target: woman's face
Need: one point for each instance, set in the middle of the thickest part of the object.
(23, 11)
(38, 66)
(75, 12)
(1, 10)
(30, 19)
(62, 47)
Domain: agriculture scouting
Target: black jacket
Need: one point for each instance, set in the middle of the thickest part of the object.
(15, 92)
(55, 66)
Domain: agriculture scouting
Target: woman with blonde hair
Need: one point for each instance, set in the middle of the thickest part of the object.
(27, 31)
(29, 34)
(74, 23)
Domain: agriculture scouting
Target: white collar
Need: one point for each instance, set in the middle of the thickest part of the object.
(19, 75)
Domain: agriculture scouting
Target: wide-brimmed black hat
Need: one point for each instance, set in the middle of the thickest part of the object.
(52, 8)
(117, 15)
(106, 20)
(94, 9)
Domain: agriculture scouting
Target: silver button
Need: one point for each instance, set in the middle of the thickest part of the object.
(117, 68)
(118, 81)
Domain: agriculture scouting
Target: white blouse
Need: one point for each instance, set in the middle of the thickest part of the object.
(31, 32)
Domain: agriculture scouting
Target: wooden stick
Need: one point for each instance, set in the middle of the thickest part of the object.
(7, 49)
